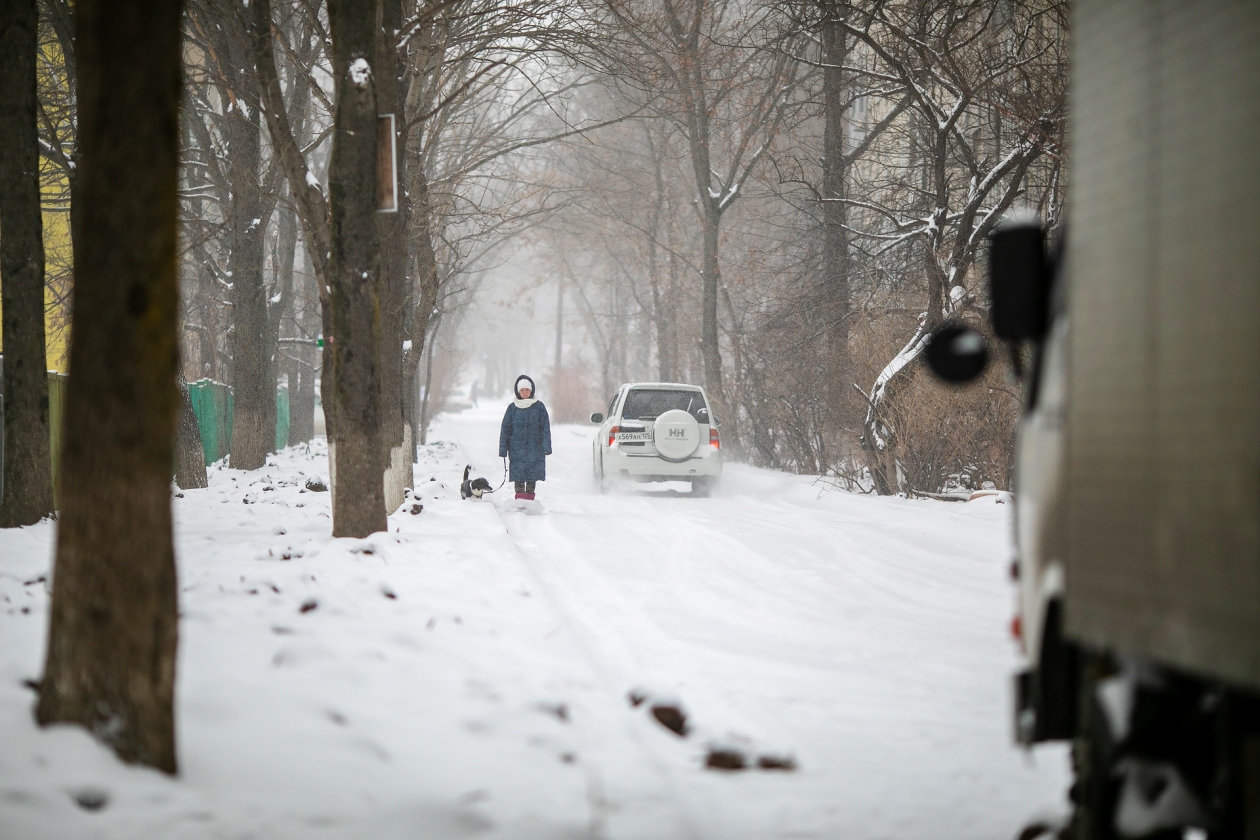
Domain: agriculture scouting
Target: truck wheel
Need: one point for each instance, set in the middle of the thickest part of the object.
(1096, 789)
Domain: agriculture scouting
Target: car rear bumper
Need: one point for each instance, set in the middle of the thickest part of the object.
(707, 461)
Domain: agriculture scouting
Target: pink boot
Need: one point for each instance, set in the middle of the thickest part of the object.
(529, 496)
(522, 495)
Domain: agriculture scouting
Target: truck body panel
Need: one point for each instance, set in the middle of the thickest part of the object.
(1162, 488)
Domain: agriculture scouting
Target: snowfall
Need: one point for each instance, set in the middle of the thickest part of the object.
(476, 672)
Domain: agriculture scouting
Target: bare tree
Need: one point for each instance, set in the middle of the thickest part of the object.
(943, 197)
(726, 81)
(248, 196)
(630, 220)
(56, 82)
(190, 457)
(343, 251)
(835, 247)
(110, 663)
(286, 134)
(476, 84)
(396, 432)
(354, 272)
(28, 493)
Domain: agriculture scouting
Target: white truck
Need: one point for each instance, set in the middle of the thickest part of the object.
(1138, 458)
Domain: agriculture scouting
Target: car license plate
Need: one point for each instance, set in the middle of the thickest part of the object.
(635, 436)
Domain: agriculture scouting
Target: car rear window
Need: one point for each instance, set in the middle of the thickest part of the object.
(650, 403)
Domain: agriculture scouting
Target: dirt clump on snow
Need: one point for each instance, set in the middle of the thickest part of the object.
(672, 718)
(776, 762)
(725, 758)
(90, 798)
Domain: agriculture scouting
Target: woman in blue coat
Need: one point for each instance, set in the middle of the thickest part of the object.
(526, 438)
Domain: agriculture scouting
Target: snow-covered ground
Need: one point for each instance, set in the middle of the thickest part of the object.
(469, 673)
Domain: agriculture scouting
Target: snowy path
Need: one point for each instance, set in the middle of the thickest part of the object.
(865, 637)
(466, 675)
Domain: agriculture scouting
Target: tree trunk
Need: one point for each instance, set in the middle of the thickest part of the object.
(309, 199)
(354, 269)
(663, 315)
(110, 663)
(710, 222)
(661, 318)
(413, 411)
(428, 384)
(392, 232)
(836, 307)
(673, 304)
(250, 357)
(190, 456)
(301, 398)
(419, 101)
(419, 315)
(283, 259)
(304, 362)
(879, 438)
(28, 491)
(559, 328)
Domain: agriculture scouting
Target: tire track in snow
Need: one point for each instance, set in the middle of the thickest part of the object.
(628, 787)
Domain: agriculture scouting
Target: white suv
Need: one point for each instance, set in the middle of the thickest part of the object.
(658, 431)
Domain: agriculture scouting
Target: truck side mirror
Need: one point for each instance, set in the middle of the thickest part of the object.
(957, 353)
(1019, 282)
(597, 418)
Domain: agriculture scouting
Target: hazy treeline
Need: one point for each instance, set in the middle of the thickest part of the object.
(777, 200)
(466, 82)
(802, 194)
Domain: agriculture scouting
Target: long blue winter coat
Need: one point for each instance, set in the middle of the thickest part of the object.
(526, 439)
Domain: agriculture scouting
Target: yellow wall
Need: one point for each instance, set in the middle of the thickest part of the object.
(55, 198)
(59, 278)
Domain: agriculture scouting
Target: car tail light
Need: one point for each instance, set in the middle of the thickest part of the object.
(1017, 629)
(612, 434)
(714, 440)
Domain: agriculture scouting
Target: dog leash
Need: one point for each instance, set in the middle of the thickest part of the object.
(505, 475)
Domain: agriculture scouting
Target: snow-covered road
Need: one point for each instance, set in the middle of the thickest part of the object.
(468, 674)
(865, 637)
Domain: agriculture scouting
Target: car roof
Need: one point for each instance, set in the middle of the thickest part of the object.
(675, 386)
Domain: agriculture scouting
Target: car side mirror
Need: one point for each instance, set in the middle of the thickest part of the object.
(957, 353)
(717, 421)
(597, 418)
(1019, 282)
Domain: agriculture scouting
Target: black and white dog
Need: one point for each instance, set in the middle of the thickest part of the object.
(473, 489)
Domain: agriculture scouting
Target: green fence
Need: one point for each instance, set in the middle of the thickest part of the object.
(212, 403)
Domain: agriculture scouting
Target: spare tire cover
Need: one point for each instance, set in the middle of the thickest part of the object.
(676, 435)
